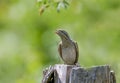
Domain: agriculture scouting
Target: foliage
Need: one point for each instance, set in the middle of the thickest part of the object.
(28, 43)
(58, 4)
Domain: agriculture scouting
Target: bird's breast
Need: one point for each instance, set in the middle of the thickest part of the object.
(69, 55)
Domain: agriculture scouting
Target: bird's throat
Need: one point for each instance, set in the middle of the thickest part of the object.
(66, 42)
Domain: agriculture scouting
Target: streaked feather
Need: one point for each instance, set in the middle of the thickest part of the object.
(60, 50)
(77, 51)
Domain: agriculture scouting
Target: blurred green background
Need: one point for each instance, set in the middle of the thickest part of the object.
(28, 43)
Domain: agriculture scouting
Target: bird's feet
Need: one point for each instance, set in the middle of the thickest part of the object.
(77, 64)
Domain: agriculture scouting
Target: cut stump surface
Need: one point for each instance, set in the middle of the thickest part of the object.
(61, 73)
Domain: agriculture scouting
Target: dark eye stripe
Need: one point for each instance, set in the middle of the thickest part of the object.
(65, 33)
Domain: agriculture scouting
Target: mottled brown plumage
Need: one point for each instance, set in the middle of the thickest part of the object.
(68, 49)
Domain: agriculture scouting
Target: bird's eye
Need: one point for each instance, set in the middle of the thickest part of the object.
(63, 32)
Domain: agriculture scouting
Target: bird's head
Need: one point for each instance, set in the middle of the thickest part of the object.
(62, 34)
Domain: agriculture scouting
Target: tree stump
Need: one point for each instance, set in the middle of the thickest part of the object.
(61, 73)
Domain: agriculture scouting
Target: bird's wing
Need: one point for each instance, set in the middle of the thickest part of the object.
(60, 50)
(77, 51)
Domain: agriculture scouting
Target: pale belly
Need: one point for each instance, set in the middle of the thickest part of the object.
(69, 55)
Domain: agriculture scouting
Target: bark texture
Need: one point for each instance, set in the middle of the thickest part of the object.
(61, 73)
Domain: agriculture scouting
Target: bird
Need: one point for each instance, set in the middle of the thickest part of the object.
(68, 48)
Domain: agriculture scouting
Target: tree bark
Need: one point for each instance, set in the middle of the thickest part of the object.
(61, 73)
